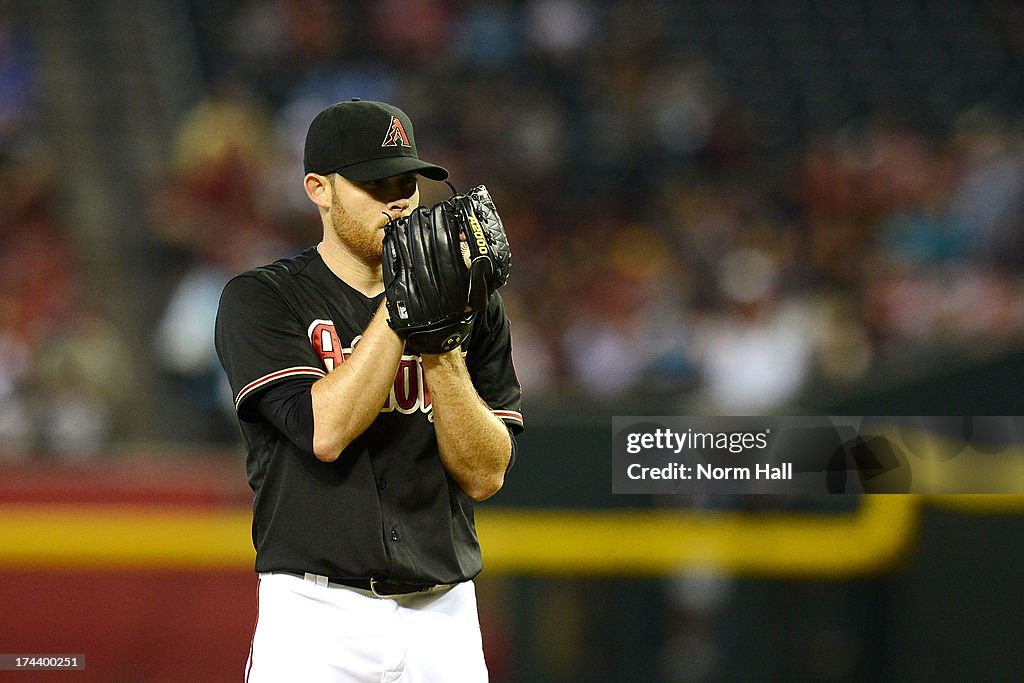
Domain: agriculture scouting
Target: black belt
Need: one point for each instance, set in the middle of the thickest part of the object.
(378, 587)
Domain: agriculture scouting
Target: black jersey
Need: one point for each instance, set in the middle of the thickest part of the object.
(386, 508)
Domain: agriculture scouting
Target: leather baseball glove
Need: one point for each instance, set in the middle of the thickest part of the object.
(441, 265)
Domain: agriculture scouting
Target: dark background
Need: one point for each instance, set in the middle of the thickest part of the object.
(715, 208)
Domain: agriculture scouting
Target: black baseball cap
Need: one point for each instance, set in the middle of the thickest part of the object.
(364, 140)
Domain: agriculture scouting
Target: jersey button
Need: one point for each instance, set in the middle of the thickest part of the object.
(382, 484)
(394, 535)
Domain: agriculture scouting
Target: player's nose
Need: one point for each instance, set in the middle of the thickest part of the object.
(399, 207)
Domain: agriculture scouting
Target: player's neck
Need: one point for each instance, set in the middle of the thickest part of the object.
(365, 278)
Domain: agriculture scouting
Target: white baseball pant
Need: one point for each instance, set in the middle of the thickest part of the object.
(316, 633)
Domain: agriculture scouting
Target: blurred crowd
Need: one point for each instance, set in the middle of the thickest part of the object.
(62, 373)
(665, 246)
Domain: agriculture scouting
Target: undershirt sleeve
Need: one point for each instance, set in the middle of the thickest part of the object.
(288, 405)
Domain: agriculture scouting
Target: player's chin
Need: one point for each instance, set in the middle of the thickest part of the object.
(377, 247)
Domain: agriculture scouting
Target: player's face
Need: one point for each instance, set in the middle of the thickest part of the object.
(361, 209)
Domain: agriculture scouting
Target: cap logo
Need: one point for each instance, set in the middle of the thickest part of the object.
(396, 135)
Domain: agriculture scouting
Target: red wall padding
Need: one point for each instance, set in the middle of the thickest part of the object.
(132, 625)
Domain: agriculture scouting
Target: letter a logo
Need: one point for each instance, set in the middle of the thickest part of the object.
(396, 135)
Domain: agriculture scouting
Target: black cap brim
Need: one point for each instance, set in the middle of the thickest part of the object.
(377, 169)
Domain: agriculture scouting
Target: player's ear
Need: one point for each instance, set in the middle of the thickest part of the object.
(319, 190)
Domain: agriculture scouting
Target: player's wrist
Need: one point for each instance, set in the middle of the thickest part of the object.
(449, 361)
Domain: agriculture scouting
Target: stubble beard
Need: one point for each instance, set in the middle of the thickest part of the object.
(363, 241)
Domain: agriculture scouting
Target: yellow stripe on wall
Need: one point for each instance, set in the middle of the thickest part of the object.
(663, 542)
(515, 540)
(119, 536)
